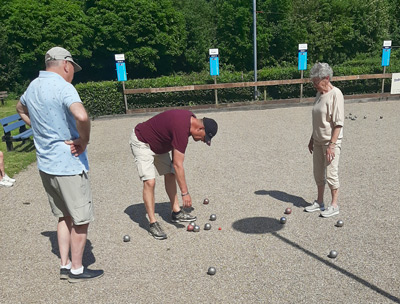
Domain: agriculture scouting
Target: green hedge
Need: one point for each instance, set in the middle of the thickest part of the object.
(106, 98)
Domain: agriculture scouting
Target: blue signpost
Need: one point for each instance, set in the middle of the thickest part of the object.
(387, 46)
(302, 64)
(302, 55)
(214, 62)
(121, 69)
(214, 68)
(121, 74)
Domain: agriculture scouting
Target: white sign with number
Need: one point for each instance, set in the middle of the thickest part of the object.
(395, 84)
(387, 43)
(213, 52)
(303, 47)
(119, 57)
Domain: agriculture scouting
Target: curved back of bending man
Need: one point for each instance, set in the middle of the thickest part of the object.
(151, 143)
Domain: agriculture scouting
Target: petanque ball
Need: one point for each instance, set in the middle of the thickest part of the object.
(211, 271)
(127, 238)
(196, 228)
(339, 223)
(193, 223)
(288, 211)
(283, 220)
(213, 217)
(206, 201)
(333, 254)
(190, 227)
(207, 226)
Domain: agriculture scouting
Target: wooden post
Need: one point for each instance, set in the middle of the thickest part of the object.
(215, 90)
(301, 86)
(125, 99)
(265, 94)
(383, 79)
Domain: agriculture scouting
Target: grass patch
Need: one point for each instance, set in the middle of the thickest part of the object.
(23, 154)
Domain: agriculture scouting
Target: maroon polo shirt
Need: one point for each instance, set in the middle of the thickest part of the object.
(166, 131)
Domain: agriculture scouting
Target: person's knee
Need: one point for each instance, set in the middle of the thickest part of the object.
(150, 183)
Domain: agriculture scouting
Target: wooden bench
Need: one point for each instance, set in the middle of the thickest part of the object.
(12, 123)
(3, 95)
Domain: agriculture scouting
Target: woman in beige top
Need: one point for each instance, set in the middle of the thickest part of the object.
(326, 139)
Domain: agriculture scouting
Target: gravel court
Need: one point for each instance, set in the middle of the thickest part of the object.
(257, 165)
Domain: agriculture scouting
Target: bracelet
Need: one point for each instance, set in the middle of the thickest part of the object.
(332, 143)
(184, 194)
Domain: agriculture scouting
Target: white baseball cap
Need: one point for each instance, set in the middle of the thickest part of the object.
(59, 53)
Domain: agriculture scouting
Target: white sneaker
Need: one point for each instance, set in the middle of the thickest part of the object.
(330, 211)
(315, 207)
(4, 183)
(8, 179)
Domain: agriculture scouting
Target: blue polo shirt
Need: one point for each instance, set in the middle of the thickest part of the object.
(48, 99)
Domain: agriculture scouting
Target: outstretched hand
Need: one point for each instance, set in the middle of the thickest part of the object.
(187, 201)
(78, 146)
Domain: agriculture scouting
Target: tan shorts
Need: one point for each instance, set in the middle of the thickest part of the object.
(325, 172)
(147, 161)
(69, 195)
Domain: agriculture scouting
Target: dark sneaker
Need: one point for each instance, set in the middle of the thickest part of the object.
(86, 275)
(157, 232)
(64, 273)
(182, 216)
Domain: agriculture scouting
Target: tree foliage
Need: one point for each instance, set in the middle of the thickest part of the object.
(165, 37)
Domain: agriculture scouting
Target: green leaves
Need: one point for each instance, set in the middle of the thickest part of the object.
(165, 37)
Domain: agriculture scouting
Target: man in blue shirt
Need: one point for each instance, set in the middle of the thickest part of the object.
(61, 132)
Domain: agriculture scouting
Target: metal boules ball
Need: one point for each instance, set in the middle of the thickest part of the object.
(333, 254)
(339, 223)
(213, 217)
(288, 211)
(207, 226)
(196, 228)
(206, 201)
(211, 271)
(193, 223)
(190, 227)
(283, 220)
(126, 238)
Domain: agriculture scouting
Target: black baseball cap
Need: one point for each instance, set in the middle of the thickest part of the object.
(211, 128)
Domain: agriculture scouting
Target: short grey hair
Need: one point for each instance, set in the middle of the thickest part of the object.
(53, 63)
(321, 70)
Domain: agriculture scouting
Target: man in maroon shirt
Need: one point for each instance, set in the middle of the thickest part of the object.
(151, 142)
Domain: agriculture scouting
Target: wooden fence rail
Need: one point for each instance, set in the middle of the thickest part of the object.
(264, 84)
(249, 84)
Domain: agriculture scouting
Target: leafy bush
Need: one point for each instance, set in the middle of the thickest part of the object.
(102, 98)
(106, 98)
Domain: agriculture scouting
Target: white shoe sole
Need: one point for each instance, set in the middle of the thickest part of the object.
(331, 214)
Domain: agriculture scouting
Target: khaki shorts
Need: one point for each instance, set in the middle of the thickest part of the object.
(325, 172)
(147, 161)
(69, 195)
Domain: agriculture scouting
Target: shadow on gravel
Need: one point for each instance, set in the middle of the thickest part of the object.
(88, 257)
(137, 213)
(262, 225)
(337, 268)
(297, 201)
(257, 225)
